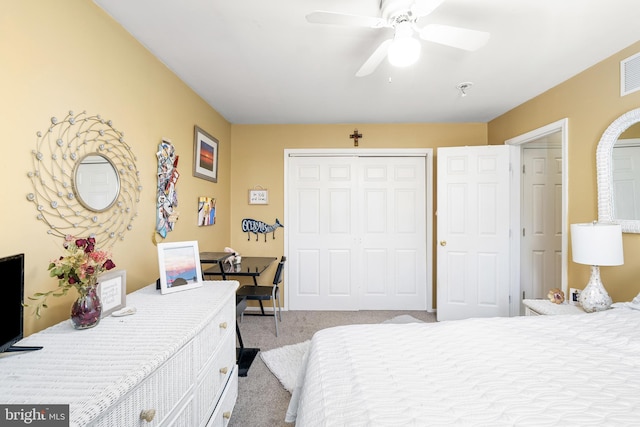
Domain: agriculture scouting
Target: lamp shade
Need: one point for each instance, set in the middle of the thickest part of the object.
(597, 244)
(404, 49)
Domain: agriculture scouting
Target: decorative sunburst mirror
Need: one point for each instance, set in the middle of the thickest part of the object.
(85, 179)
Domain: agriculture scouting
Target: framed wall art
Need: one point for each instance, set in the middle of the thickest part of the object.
(206, 211)
(259, 196)
(112, 291)
(179, 264)
(205, 155)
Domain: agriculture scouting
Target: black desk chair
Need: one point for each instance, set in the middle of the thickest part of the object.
(266, 292)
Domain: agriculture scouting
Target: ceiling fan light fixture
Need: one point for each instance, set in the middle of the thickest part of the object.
(404, 51)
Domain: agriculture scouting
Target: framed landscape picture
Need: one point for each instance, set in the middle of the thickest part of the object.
(179, 264)
(205, 155)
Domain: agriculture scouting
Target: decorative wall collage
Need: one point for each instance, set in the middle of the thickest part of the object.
(167, 197)
(205, 166)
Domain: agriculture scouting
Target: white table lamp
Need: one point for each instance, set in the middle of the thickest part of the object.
(596, 244)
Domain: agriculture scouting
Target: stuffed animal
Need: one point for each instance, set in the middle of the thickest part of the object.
(556, 296)
(233, 259)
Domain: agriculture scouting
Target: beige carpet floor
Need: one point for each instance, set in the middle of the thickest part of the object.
(262, 400)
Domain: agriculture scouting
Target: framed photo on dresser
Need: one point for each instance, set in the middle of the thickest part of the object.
(179, 264)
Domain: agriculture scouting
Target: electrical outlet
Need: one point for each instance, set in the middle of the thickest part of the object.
(574, 296)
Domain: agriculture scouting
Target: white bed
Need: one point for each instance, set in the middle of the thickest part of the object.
(571, 370)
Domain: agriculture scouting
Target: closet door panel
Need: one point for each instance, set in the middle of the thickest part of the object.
(357, 233)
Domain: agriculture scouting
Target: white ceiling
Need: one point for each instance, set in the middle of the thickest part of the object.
(261, 62)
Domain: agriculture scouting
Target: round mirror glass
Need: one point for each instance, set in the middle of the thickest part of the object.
(96, 182)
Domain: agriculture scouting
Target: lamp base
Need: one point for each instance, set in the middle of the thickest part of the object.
(595, 297)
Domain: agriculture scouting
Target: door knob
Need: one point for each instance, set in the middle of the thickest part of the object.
(443, 243)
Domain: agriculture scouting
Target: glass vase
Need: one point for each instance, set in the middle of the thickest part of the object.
(86, 311)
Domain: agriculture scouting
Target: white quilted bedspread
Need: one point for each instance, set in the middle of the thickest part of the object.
(574, 370)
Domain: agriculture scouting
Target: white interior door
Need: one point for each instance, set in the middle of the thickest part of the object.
(541, 241)
(552, 135)
(473, 216)
(357, 233)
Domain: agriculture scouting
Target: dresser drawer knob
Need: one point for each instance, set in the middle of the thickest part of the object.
(223, 325)
(224, 370)
(226, 415)
(147, 415)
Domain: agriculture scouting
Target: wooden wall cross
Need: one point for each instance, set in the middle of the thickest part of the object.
(355, 135)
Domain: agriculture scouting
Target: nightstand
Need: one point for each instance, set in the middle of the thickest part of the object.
(538, 307)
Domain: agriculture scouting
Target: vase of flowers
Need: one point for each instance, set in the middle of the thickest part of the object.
(87, 309)
(78, 268)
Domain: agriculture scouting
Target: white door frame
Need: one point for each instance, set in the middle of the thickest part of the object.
(562, 126)
(384, 152)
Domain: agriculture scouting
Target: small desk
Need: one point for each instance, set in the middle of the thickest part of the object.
(214, 257)
(251, 266)
(244, 355)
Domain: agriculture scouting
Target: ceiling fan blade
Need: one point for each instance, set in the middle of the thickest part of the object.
(461, 38)
(375, 59)
(425, 7)
(333, 18)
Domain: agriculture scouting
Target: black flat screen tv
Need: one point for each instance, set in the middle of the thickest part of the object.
(12, 278)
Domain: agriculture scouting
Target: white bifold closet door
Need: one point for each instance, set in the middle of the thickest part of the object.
(357, 233)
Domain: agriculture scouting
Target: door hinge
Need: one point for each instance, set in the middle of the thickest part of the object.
(523, 169)
(523, 233)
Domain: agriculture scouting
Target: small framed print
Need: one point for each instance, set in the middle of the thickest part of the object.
(206, 211)
(205, 155)
(259, 197)
(179, 264)
(112, 291)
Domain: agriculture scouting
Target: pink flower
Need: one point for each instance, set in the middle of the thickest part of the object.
(81, 263)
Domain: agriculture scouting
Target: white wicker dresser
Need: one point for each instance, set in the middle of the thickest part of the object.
(173, 359)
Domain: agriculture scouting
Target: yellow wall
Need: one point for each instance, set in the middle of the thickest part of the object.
(69, 55)
(259, 150)
(66, 55)
(591, 101)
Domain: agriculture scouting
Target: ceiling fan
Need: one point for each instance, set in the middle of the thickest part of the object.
(402, 15)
